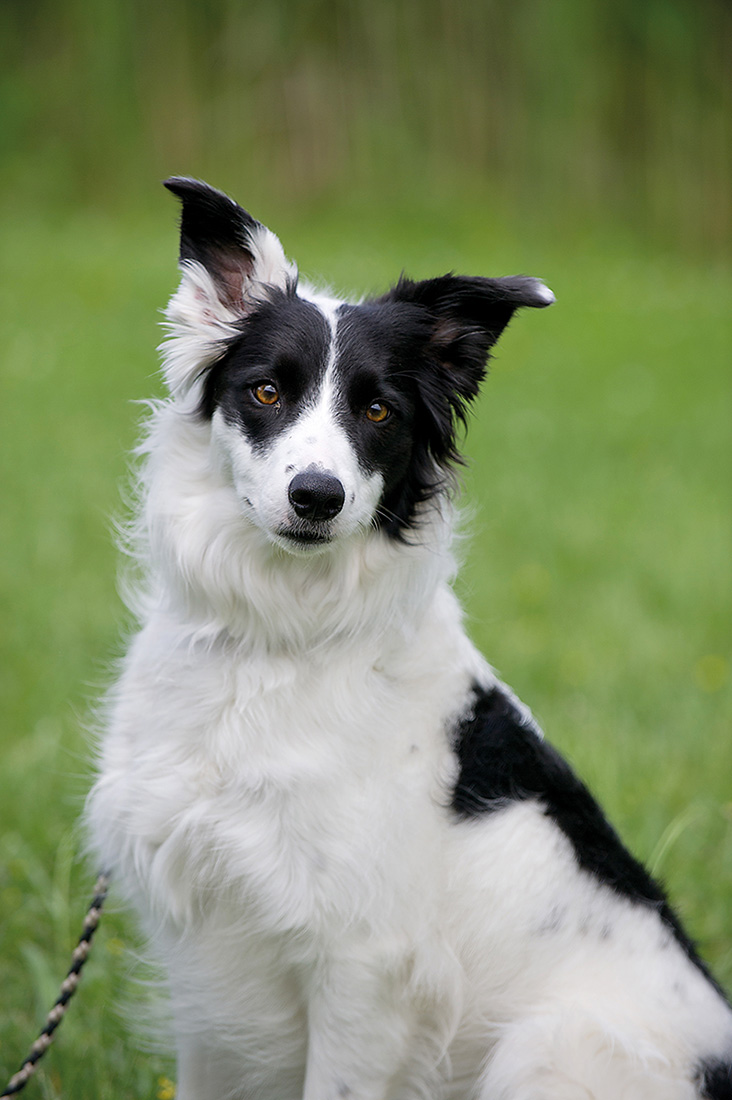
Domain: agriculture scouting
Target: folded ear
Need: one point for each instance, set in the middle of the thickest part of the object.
(466, 317)
(459, 320)
(229, 262)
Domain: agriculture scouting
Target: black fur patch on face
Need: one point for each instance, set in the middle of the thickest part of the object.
(285, 342)
(380, 353)
(503, 760)
(715, 1080)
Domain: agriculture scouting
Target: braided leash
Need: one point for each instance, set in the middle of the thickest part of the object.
(68, 987)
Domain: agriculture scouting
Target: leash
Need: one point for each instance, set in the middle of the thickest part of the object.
(68, 987)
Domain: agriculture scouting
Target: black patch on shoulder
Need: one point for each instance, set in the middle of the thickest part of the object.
(503, 759)
(285, 341)
(715, 1080)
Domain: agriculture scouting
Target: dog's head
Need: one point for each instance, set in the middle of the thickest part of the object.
(330, 417)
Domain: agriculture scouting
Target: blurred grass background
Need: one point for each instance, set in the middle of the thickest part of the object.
(585, 142)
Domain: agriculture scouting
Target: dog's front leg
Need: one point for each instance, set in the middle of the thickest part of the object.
(360, 1023)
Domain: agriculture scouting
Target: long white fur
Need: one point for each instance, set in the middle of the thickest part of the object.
(272, 798)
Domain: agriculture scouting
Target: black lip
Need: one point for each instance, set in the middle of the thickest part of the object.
(307, 538)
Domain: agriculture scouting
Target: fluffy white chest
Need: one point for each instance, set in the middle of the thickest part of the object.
(313, 785)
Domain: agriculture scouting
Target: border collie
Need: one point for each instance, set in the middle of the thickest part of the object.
(364, 871)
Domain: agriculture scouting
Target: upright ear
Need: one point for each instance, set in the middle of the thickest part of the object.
(228, 262)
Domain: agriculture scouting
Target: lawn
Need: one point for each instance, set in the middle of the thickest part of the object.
(596, 573)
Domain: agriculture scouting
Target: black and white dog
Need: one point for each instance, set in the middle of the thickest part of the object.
(364, 871)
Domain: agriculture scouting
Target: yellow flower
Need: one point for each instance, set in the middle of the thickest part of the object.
(166, 1089)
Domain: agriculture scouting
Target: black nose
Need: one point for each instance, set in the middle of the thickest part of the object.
(316, 495)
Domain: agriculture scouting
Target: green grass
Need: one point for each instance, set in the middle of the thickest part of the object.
(595, 574)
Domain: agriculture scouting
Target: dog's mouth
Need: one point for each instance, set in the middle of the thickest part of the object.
(305, 536)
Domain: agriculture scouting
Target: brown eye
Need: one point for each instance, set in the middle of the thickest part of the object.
(266, 393)
(378, 412)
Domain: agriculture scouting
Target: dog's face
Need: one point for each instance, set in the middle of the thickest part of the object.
(331, 418)
(313, 418)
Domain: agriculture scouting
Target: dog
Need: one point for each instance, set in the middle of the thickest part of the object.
(364, 871)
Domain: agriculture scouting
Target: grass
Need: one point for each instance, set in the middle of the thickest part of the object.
(595, 576)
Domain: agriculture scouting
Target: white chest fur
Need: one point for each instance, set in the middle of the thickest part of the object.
(318, 780)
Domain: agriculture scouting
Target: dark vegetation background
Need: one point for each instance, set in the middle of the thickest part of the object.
(583, 141)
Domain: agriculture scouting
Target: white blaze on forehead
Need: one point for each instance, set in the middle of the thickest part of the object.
(317, 438)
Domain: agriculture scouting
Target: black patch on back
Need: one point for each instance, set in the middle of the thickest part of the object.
(715, 1080)
(502, 760)
(285, 341)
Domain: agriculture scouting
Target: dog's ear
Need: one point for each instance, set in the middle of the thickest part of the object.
(466, 316)
(229, 262)
(238, 252)
(460, 319)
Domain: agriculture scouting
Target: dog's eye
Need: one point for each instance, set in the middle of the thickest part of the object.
(266, 393)
(378, 412)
